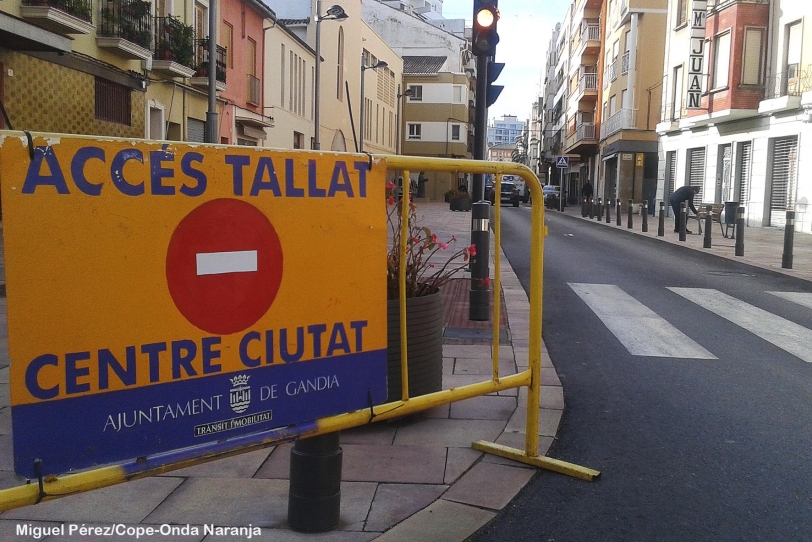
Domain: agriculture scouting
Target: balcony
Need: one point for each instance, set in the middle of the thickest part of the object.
(126, 26)
(782, 91)
(60, 16)
(590, 40)
(584, 136)
(624, 119)
(610, 73)
(174, 48)
(624, 63)
(253, 90)
(201, 76)
(588, 87)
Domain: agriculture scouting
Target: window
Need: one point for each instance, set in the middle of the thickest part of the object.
(613, 105)
(298, 140)
(457, 94)
(251, 57)
(228, 42)
(112, 102)
(751, 56)
(415, 131)
(418, 93)
(201, 21)
(623, 104)
(682, 12)
(676, 100)
(793, 55)
(605, 109)
(721, 61)
(455, 132)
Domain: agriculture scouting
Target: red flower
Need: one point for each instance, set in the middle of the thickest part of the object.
(472, 250)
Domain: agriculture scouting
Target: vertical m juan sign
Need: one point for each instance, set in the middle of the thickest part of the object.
(696, 58)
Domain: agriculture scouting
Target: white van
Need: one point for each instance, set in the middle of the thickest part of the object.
(524, 193)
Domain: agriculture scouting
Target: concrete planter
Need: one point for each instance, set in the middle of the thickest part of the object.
(460, 203)
(424, 329)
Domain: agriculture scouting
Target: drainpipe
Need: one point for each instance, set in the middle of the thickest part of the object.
(770, 46)
(632, 60)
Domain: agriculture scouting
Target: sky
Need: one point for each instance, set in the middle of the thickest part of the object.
(525, 28)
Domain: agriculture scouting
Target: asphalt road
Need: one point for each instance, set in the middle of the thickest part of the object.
(688, 448)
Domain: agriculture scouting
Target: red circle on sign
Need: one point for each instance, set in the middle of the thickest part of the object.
(224, 266)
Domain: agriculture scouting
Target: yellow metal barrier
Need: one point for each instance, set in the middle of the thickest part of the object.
(53, 487)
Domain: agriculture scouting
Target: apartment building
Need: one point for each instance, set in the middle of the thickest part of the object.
(737, 98)
(633, 52)
(505, 130)
(550, 141)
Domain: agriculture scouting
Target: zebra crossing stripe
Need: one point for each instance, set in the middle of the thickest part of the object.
(800, 298)
(786, 335)
(639, 329)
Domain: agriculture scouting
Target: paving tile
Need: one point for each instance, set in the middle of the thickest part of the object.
(458, 381)
(238, 466)
(548, 421)
(489, 485)
(448, 433)
(442, 521)
(356, 502)
(394, 464)
(448, 366)
(5, 421)
(487, 407)
(5, 399)
(9, 479)
(395, 502)
(286, 535)
(441, 411)
(225, 501)
(371, 433)
(175, 533)
(466, 351)
(278, 463)
(517, 440)
(130, 502)
(6, 452)
(4, 372)
(458, 461)
(484, 367)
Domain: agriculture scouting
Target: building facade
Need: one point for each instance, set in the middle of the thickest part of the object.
(741, 135)
(505, 130)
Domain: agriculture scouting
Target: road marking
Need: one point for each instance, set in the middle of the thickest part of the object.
(636, 326)
(800, 298)
(218, 263)
(786, 335)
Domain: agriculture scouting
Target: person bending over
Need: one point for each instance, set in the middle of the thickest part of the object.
(685, 193)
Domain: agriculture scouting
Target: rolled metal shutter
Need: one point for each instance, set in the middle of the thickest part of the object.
(746, 150)
(782, 187)
(670, 171)
(696, 170)
(196, 129)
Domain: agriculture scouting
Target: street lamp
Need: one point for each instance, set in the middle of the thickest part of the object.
(379, 64)
(410, 93)
(335, 13)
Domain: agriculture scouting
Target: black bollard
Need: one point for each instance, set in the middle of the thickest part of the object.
(608, 205)
(314, 498)
(617, 212)
(583, 207)
(599, 216)
(591, 206)
(479, 295)
(629, 213)
(740, 231)
(708, 226)
(789, 238)
(661, 225)
(683, 219)
(644, 214)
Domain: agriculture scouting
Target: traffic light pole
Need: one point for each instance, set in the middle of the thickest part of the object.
(479, 298)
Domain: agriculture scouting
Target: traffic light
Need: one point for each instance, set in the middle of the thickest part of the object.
(484, 37)
(493, 91)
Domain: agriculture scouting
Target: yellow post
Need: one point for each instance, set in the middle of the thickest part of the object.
(497, 269)
(404, 238)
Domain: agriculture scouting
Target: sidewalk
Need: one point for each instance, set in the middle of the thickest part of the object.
(415, 478)
(763, 247)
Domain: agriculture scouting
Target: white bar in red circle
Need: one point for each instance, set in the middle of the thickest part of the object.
(218, 263)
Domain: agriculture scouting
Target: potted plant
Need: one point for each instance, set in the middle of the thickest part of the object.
(461, 201)
(450, 194)
(424, 308)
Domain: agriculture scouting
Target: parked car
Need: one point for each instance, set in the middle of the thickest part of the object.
(552, 196)
(509, 193)
(488, 187)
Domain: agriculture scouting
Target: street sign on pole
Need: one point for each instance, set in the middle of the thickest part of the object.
(163, 295)
(562, 162)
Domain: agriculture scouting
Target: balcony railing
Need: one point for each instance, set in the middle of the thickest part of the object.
(129, 20)
(253, 89)
(673, 111)
(81, 9)
(613, 70)
(792, 82)
(202, 61)
(590, 32)
(174, 41)
(624, 119)
(588, 81)
(624, 63)
(585, 131)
